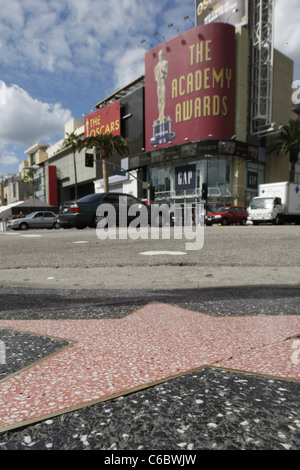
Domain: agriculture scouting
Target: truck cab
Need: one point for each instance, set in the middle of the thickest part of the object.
(277, 203)
(265, 209)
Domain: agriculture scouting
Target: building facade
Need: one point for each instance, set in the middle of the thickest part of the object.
(215, 148)
(199, 123)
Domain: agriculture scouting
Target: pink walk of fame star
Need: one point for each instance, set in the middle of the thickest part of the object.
(108, 358)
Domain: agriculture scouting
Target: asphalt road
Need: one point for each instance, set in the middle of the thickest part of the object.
(230, 256)
(240, 271)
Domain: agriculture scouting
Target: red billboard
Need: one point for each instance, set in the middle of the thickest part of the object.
(105, 120)
(190, 87)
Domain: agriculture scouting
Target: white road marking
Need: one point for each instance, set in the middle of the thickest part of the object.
(31, 236)
(153, 253)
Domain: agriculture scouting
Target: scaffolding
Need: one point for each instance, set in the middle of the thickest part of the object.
(261, 34)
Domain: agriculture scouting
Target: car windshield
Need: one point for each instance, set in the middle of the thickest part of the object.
(223, 209)
(261, 203)
(30, 216)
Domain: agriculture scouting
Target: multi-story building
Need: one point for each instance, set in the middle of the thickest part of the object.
(198, 123)
(209, 139)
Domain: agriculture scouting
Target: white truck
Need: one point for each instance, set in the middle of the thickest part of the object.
(276, 203)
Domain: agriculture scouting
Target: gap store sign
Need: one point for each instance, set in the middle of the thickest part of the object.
(185, 177)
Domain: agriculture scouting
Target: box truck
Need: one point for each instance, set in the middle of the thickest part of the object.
(276, 203)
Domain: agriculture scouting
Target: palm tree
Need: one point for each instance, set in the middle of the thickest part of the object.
(106, 144)
(74, 141)
(29, 178)
(288, 141)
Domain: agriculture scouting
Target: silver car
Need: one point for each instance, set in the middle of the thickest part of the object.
(40, 219)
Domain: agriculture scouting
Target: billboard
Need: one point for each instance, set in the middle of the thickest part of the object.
(234, 12)
(190, 87)
(106, 120)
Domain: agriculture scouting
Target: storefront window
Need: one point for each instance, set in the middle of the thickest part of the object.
(220, 179)
(39, 186)
(182, 180)
(254, 176)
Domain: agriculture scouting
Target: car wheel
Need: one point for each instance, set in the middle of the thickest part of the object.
(277, 220)
(23, 226)
(244, 221)
(224, 222)
(56, 225)
(93, 224)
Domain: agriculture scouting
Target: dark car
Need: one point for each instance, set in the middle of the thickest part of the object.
(227, 215)
(83, 212)
(39, 219)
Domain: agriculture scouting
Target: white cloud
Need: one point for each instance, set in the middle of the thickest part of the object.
(50, 35)
(8, 159)
(67, 34)
(24, 119)
(54, 48)
(286, 30)
(130, 66)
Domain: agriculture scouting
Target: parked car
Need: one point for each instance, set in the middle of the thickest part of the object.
(82, 213)
(40, 219)
(227, 215)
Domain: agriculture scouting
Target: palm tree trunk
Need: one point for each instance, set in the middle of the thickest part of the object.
(104, 174)
(292, 173)
(293, 161)
(75, 176)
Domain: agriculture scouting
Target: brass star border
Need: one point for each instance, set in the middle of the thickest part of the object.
(107, 358)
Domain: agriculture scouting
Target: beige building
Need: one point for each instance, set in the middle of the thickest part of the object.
(14, 190)
(232, 169)
(275, 166)
(71, 168)
(36, 155)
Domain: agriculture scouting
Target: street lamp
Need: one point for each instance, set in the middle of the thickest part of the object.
(157, 34)
(144, 40)
(172, 26)
(188, 18)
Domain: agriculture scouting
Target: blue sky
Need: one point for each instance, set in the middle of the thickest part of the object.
(58, 58)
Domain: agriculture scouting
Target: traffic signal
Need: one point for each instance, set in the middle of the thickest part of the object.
(204, 191)
(89, 160)
(152, 193)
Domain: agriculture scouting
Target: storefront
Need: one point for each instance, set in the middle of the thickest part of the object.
(229, 171)
(181, 181)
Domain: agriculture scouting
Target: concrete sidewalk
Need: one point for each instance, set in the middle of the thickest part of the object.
(202, 372)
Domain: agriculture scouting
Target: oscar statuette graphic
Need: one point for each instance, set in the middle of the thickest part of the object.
(162, 126)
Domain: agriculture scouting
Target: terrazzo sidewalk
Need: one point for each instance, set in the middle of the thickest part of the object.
(106, 358)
